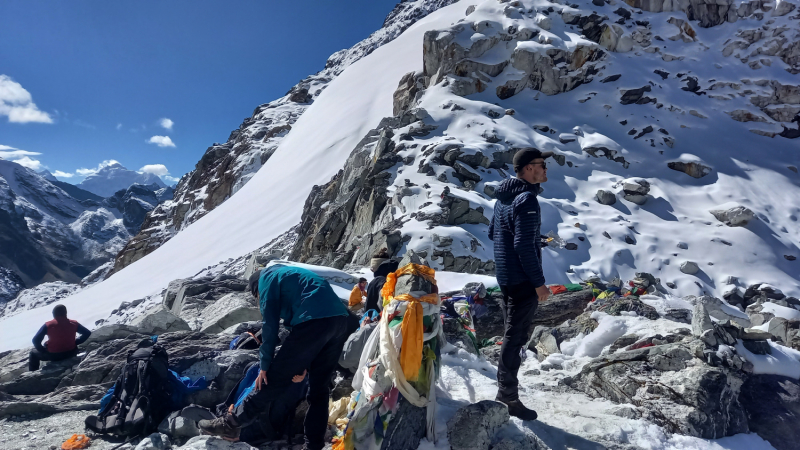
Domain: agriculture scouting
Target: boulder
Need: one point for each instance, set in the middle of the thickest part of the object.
(630, 304)
(717, 309)
(473, 427)
(738, 216)
(605, 197)
(561, 307)
(671, 387)
(158, 320)
(689, 267)
(178, 427)
(693, 169)
(772, 405)
(155, 441)
(230, 310)
(213, 443)
(42, 381)
(72, 398)
(13, 363)
(492, 352)
(456, 334)
(111, 332)
(701, 322)
(678, 315)
(406, 428)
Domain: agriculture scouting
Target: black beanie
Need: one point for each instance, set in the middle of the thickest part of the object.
(524, 156)
(252, 284)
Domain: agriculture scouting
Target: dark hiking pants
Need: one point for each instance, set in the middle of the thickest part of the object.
(36, 356)
(519, 305)
(315, 346)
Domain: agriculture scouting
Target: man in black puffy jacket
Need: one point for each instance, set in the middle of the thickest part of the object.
(515, 231)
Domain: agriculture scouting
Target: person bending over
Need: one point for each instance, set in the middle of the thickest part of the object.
(318, 321)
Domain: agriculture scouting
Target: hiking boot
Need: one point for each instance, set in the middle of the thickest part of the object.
(518, 410)
(224, 427)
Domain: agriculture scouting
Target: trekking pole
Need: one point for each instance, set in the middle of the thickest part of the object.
(126, 441)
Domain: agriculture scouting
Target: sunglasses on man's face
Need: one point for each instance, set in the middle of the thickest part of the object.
(543, 164)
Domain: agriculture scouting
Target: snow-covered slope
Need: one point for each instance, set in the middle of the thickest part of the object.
(225, 168)
(114, 177)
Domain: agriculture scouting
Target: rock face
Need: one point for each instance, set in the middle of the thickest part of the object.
(772, 404)
(10, 285)
(708, 13)
(351, 217)
(228, 311)
(135, 201)
(473, 427)
(444, 57)
(672, 388)
(226, 167)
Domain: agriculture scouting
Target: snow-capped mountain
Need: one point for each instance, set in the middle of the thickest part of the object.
(49, 235)
(655, 171)
(47, 175)
(114, 177)
(225, 168)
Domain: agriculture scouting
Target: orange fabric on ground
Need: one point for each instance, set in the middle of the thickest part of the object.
(76, 442)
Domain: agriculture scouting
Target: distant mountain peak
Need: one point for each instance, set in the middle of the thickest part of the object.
(47, 175)
(114, 177)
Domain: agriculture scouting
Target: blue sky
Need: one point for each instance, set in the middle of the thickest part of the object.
(85, 82)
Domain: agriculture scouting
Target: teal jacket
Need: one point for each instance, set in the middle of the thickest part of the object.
(295, 295)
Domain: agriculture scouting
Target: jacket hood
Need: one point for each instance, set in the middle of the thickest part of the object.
(511, 187)
(387, 267)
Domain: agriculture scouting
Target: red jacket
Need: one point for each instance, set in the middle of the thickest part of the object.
(61, 335)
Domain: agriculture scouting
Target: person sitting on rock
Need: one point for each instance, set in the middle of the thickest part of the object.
(381, 265)
(61, 343)
(357, 295)
(318, 321)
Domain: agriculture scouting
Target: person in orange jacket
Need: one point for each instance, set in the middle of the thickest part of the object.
(357, 295)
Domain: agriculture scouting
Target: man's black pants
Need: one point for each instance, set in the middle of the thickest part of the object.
(36, 356)
(519, 305)
(315, 346)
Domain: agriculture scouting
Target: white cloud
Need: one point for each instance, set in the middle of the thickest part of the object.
(33, 164)
(61, 174)
(119, 126)
(11, 153)
(161, 141)
(166, 123)
(84, 172)
(17, 104)
(155, 169)
(21, 157)
(171, 179)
